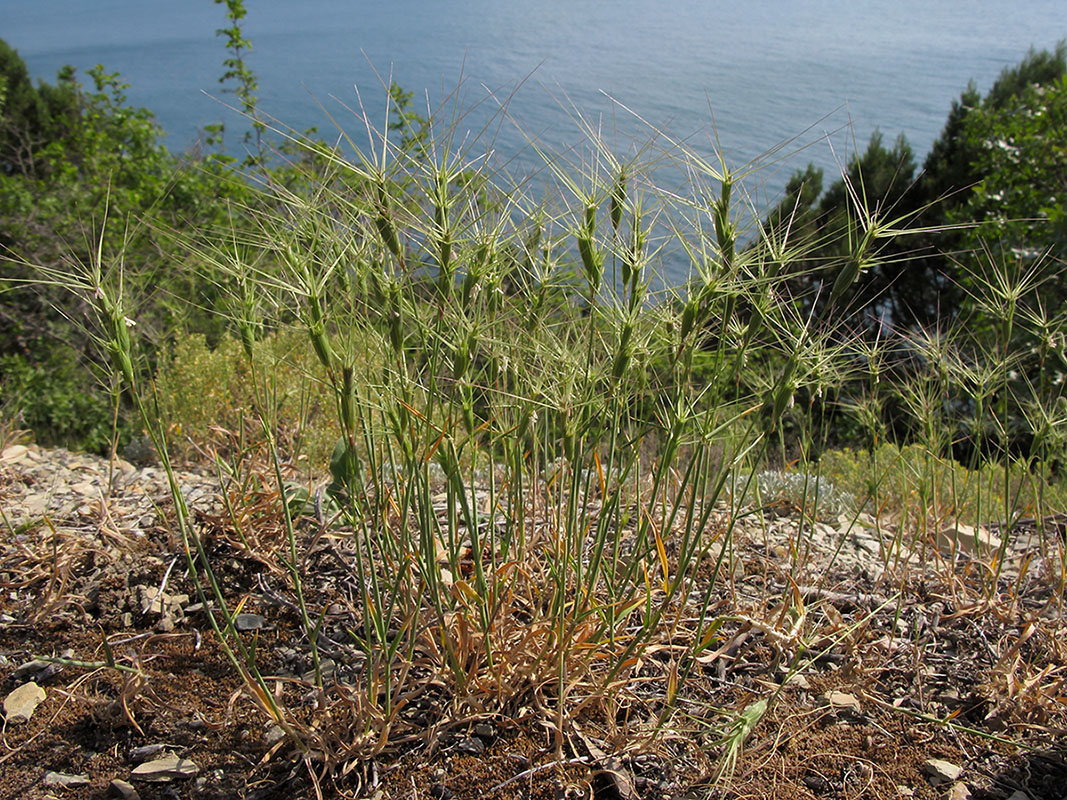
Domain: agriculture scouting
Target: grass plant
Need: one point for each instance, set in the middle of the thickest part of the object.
(536, 462)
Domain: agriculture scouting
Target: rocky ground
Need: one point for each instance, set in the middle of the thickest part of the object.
(915, 679)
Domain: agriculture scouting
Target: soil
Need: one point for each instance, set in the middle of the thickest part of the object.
(872, 661)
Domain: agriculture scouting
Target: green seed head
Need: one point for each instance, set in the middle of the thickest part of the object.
(248, 338)
(725, 232)
(395, 322)
(321, 345)
(317, 331)
(689, 314)
(845, 278)
(463, 357)
(348, 406)
(467, 401)
(384, 222)
(592, 259)
(618, 198)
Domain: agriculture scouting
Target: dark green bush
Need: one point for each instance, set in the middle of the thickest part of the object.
(57, 399)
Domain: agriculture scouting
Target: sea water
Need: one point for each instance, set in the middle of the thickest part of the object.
(736, 78)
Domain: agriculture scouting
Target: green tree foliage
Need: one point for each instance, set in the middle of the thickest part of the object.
(70, 156)
(962, 175)
(31, 115)
(823, 224)
(1006, 168)
(999, 161)
(952, 167)
(1020, 151)
(80, 167)
(985, 252)
(1013, 270)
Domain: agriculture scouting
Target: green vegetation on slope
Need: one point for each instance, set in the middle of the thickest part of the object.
(889, 254)
(538, 477)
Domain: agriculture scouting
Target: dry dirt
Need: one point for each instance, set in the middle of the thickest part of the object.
(906, 659)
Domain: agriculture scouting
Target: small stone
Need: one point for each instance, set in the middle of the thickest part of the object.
(68, 781)
(145, 752)
(21, 703)
(29, 668)
(1019, 795)
(248, 622)
(274, 734)
(905, 791)
(39, 669)
(83, 488)
(13, 454)
(977, 541)
(483, 730)
(816, 783)
(941, 771)
(125, 790)
(124, 466)
(950, 696)
(959, 791)
(155, 602)
(471, 745)
(166, 769)
(164, 625)
(35, 505)
(798, 681)
(841, 701)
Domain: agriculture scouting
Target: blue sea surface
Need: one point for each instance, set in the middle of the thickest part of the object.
(743, 77)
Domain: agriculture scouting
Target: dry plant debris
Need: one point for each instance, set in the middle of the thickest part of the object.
(848, 664)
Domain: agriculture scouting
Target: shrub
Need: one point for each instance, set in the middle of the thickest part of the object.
(56, 402)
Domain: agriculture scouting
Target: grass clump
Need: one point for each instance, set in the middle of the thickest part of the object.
(537, 465)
